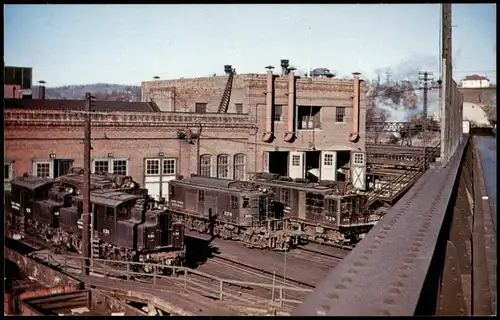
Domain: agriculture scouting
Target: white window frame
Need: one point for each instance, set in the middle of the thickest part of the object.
(202, 166)
(236, 166)
(163, 164)
(151, 161)
(110, 164)
(221, 166)
(34, 171)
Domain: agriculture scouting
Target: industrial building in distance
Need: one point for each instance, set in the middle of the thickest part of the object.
(228, 126)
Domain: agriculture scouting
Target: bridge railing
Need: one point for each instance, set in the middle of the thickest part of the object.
(417, 260)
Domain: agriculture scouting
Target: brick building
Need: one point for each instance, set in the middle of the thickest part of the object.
(17, 82)
(176, 130)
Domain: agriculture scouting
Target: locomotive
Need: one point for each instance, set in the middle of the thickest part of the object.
(235, 210)
(329, 212)
(126, 223)
(271, 211)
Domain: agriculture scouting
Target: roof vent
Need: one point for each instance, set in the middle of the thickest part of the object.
(284, 67)
(228, 69)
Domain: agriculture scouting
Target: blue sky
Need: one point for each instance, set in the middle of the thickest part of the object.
(127, 44)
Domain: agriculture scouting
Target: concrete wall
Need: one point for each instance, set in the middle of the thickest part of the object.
(43, 274)
(475, 83)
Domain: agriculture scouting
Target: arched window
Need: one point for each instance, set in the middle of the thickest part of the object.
(206, 165)
(223, 166)
(239, 167)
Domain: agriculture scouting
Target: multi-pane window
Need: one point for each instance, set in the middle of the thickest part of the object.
(201, 196)
(223, 166)
(152, 167)
(201, 108)
(278, 112)
(206, 165)
(111, 165)
(120, 167)
(169, 166)
(359, 159)
(101, 166)
(239, 167)
(43, 170)
(328, 160)
(239, 107)
(340, 114)
(295, 160)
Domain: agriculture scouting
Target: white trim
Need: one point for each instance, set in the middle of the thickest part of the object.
(110, 163)
(164, 160)
(148, 162)
(50, 162)
(11, 172)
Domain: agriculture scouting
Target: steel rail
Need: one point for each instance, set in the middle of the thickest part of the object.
(385, 273)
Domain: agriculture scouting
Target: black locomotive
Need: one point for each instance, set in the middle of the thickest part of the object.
(126, 224)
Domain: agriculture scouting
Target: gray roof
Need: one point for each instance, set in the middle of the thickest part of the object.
(32, 182)
(109, 198)
(209, 181)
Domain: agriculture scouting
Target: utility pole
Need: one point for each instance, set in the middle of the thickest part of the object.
(424, 76)
(86, 247)
(446, 78)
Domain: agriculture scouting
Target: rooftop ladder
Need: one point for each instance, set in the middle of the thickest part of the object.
(226, 96)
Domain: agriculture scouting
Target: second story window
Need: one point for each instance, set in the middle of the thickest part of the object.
(309, 118)
(340, 114)
(201, 108)
(206, 165)
(278, 112)
(239, 108)
(222, 166)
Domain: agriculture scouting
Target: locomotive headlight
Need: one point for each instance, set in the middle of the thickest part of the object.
(70, 190)
(56, 213)
(28, 210)
(132, 185)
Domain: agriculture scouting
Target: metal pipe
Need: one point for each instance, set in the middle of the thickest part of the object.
(268, 133)
(290, 134)
(354, 134)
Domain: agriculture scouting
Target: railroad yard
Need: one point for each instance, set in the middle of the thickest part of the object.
(222, 277)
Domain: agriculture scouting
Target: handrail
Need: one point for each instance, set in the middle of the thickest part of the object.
(186, 271)
(410, 174)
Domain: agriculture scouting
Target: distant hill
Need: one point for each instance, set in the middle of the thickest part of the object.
(102, 91)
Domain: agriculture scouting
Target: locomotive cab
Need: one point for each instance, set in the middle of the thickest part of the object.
(345, 210)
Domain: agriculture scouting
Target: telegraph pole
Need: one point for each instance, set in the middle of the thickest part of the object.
(86, 247)
(424, 76)
(446, 77)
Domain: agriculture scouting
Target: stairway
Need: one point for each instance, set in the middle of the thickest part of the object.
(226, 96)
(394, 188)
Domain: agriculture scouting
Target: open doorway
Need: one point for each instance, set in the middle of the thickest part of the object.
(62, 166)
(278, 163)
(313, 165)
(343, 158)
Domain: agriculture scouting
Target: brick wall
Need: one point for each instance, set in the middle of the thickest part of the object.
(135, 141)
(12, 91)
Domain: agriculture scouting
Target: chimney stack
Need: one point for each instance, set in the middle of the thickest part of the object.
(284, 67)
(228, 69)
(41, 90)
